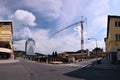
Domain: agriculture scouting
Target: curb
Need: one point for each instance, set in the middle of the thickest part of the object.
(8, 61)
(115, 67)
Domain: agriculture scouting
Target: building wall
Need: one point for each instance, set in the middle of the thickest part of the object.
(112, 45)
(6, 31)
(111, 40)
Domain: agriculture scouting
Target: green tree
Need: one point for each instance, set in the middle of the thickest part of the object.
(55, 54)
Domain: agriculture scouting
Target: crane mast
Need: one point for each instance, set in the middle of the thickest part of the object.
(82, 32)
(82, 37)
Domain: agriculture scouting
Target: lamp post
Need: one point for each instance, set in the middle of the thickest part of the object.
(94, 39)
(96, 46)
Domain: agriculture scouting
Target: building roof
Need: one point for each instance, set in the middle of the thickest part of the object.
(110, 16)
(8, 21)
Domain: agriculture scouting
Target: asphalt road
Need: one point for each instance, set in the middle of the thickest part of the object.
(29, 70)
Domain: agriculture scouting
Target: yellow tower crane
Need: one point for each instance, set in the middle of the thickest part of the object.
(82, 32)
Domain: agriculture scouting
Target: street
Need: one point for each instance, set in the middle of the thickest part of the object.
(30, 70)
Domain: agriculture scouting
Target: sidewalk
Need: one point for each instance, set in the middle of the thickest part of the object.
(105, 64)
(8, 61)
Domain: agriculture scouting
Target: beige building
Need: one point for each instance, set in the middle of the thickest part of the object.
(112, 40)
(6, 48)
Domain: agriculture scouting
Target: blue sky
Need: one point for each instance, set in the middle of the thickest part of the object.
(38, 19)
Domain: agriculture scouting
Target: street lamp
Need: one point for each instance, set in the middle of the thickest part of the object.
(96, 46)
(94, 39)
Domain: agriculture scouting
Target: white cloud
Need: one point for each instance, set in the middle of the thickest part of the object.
(115, 2)
(23, 34)
(1, 18)
(70, 41)
(4, 11)
(91, 44)
(47, 45)
(101, 21)
(99, 7)
(97, 27)
(65, 11)
(19, 45)
(70, 11)
(101, 44)
(26, 33)
(24, 17)
(48, 9)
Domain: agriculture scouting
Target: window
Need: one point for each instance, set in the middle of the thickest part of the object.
(6, 23)
(117, 37)
(118, 49)
(117, 23)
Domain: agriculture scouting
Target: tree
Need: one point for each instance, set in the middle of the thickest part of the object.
(97, 52)
(55, 54)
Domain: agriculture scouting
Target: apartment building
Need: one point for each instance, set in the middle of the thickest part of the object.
(6, 47)
(112, 40)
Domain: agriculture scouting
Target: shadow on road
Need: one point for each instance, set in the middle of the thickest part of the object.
(91, 73)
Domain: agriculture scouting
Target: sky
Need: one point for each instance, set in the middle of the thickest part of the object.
(39, 19)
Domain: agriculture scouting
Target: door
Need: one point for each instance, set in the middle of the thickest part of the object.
(114, 58)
